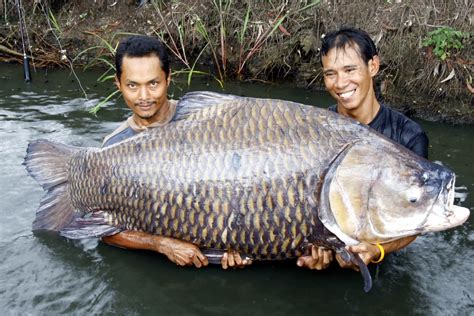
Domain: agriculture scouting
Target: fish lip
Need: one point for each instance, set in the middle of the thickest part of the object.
(447, 215)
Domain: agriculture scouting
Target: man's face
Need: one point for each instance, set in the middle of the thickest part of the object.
(144, 87)
(348, 78)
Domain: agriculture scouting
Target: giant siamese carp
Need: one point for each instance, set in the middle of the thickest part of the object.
(263, 177)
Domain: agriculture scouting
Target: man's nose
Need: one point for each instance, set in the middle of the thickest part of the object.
(144, 93)
(341, 81)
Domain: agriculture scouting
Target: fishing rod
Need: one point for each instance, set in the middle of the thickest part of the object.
(26, 60)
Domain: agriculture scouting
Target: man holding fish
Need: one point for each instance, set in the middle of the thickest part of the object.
(350, 62)
(143, 76)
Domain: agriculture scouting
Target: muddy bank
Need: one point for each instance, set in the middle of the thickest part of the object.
(261, 40)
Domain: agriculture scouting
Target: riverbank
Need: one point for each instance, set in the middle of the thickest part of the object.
(264, 41)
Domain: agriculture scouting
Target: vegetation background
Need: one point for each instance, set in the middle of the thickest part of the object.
(425, 46)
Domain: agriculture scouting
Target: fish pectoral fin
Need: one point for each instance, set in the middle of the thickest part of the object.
(94, 225)
(355, 259)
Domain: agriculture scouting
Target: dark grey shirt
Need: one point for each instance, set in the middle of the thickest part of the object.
(126, 133)
(398, 128)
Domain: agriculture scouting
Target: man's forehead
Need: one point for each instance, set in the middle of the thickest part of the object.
(349, 53)
(141, 69)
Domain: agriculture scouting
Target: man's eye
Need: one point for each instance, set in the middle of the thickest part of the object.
(329, 74)
(131, 86)
(153, 83)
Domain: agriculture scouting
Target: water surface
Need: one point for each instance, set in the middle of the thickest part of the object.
(47, 274)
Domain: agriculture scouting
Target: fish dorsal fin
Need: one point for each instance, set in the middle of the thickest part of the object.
(195, 101)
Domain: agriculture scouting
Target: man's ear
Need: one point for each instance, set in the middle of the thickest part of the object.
(117, 82)
(168, 80)
(374, 65)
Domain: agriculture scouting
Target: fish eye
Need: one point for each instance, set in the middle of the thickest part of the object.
(413, 194)
(425, 177)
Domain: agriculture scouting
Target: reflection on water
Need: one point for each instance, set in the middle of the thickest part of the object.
(47, 274)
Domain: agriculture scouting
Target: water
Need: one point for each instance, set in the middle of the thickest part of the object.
(47, 274)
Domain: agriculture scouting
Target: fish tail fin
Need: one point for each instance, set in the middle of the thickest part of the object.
(47, 163)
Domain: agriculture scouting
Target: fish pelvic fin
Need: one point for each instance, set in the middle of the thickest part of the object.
(47, 163)
(195, 101)
(94, 224)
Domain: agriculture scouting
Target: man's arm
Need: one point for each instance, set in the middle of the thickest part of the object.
(180, 252)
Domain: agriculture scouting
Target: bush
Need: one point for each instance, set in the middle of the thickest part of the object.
(445, 41)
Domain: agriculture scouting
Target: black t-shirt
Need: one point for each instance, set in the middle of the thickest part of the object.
(398, 128)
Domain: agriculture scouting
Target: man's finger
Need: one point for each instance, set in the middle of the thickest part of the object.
(327, 257)
(202, 258)
(238, 259)
(300, 261)
(197, 262)
(181, 262)
(230, 259)
(224, 261)
(315, 252)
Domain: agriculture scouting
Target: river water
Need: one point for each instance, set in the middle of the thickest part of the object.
(47, 274)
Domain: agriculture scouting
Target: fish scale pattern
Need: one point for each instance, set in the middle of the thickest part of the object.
(240, 175)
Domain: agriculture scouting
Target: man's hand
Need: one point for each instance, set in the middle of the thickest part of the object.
(369, 252)
(319, 258)
(366, 252)
(181, 252)
(232, 259)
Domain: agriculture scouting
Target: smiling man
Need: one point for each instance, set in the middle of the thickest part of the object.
(350, 62)
(143, 76)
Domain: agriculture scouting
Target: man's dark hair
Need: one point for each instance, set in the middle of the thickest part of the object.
(140, 46)
(352, 37)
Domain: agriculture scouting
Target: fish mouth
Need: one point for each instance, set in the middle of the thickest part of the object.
(444, 214)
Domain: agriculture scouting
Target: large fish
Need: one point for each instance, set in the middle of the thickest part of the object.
(260, 176)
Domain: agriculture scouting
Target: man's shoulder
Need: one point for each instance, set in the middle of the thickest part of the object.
(406, 131)
(120, 133)
(401, 120)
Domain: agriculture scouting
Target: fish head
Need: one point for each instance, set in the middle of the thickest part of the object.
(379, 191)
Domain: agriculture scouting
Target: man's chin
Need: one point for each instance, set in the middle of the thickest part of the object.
(347, 105)
(145, 115)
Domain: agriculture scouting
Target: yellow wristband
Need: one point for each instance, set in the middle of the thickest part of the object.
(382, 254)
